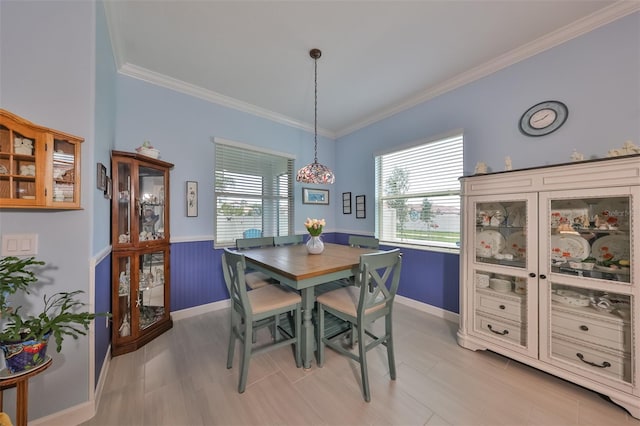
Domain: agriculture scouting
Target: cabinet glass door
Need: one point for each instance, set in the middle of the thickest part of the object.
(589, 237)
(64, 171)
(122, 201)
(151, 288)
(501, 233)
(123, 270)
(503, 271)
(586, 247)
(151, 202)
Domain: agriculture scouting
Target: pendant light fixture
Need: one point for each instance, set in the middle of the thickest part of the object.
(315, 172)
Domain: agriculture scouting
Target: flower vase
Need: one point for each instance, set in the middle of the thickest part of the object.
(315, 245)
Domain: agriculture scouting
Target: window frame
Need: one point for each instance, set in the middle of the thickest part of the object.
(457, 137)
(274, 197)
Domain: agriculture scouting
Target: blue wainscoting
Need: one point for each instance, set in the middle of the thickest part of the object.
(102, 303)
(196, 275)
(427, 276)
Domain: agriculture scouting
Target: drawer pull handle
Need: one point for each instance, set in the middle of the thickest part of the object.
(502, 333)
(593, 364)
(502, 307)
(584, 328)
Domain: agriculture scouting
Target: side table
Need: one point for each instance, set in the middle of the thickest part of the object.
(21, 382)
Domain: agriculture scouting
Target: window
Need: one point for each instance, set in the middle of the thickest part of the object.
(418, 194)
(253, 193)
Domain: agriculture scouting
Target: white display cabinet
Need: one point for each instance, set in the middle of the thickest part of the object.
(548, 271)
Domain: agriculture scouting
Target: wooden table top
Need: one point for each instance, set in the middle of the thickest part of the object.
(295, 263)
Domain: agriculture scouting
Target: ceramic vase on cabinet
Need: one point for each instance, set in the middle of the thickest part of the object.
(315, 245)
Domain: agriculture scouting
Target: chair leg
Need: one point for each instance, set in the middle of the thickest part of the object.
(232, 340)
(297, 329)
(363, 362)
(390, 353)
(320, 336)
(246, 355)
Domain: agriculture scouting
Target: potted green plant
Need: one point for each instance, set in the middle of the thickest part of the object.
(24, 338)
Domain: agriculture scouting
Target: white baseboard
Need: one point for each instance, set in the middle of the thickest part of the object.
(197, 310)
(429, 309)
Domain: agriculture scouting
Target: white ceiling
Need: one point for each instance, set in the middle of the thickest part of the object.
(378, 57)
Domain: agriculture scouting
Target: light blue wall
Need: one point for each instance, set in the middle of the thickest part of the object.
(181, 127)
(104, 138)
(48, 68)
(105, 127)
(597, 75)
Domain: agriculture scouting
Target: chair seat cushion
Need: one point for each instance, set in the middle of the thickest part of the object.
(257, 279)
(270, 298)
(346, 300)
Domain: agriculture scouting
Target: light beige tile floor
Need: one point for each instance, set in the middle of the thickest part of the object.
(181, 378)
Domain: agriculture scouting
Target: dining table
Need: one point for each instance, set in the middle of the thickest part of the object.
(293, 266)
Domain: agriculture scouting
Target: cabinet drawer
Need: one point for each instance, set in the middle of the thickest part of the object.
(613, 364)
(514, 332)
(501, 307)
(597, 328)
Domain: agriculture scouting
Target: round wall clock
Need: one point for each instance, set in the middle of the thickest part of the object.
(543, 118)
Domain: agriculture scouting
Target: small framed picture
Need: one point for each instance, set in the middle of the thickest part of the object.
(192, 198)
(108, 188)
(346, 203)
(315, 196)
(101, 177)
(361, 211)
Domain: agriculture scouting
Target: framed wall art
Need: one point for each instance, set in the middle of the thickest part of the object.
(315, 196)
(101, 177)
(192, 198)
(346, 203)
(361, 211)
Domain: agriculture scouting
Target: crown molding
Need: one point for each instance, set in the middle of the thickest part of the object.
(548, 41)
(180, 86)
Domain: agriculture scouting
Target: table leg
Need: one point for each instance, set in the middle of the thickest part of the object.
(308, 339)
(22, 393)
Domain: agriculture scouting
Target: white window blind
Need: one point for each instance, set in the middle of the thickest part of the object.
(418, 194)
(253, 194)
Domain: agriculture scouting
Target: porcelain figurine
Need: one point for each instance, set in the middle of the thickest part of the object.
(576, 156)
(507, 163)
(481, 168)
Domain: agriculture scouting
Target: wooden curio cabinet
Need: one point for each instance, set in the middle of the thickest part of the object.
(39, 167)
(140, 258)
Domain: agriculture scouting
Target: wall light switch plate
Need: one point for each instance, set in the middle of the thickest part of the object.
(19, 245)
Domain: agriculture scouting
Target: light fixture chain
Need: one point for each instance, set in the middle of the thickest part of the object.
(315, 112)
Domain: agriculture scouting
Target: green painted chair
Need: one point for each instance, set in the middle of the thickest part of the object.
(288, 240)
(364, 242)
(256, 279)
(370, 299)
(256, 308)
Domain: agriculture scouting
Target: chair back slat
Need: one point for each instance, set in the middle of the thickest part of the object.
(233, 266)
(378, 278)
(287, 240)
(364, 242)
(249, 243)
